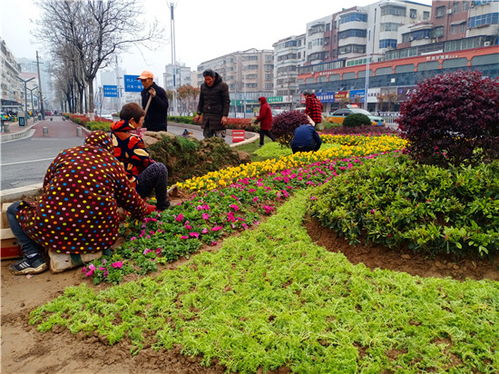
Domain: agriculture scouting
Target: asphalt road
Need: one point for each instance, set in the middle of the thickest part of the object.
(25, 161)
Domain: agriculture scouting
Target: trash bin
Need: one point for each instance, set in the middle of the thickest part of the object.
(22, 121)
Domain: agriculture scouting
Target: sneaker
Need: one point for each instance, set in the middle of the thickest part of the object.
(33, 265)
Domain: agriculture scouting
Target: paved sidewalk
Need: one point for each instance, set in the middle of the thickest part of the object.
(14, 131)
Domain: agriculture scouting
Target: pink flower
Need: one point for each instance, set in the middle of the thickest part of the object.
(205, 216)
(179, 218)
(234, 206)
(117, 264)
(245, 226)
(204, 231)
(146, 251)
(158, 251)
(184, 237)
(133, 238)
(268, 209)
(188, 227)
(217, 228)
(255, 199)
(213, 243)
(313, 197)
(203, 207)
(194, 234)
(91, 270)
(372, 211)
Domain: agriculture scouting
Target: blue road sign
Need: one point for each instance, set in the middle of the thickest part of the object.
(110, 91)
(360, 94)
(132, 84)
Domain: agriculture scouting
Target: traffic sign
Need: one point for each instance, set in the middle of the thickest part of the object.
(132, 84)
(110, 91)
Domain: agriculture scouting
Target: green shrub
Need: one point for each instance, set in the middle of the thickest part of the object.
(181, 119)
(356, 119)
(187, 158)
(97, 125)
(395, 202)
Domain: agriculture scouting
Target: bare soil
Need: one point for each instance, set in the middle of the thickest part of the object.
(26, 351)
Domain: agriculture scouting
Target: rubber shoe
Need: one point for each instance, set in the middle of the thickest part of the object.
(33, 265)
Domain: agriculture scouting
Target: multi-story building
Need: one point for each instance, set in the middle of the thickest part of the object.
(181, 73)
(483, 18)
(289, 53)
(11, 88)
(30, 66)
(249, 75)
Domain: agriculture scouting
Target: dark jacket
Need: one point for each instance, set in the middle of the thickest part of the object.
(265, 115)
(77, 211)
(313, 108)
(130, 149)
(158, 110)
(214, 100)
(305, 136)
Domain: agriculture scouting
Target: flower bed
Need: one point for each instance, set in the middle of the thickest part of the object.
(272, 299)
(182, 229)
(350, 146)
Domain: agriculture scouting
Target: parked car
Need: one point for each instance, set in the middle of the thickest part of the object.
(339, 116)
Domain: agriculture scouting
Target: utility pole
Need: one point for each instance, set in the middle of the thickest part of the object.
(25, 81)
(40, 86)
(174, 63)
(32, 102)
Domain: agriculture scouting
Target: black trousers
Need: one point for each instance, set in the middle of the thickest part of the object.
(268, 133)
(154, 178)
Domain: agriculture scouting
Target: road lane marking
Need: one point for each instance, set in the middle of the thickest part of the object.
(27, 162)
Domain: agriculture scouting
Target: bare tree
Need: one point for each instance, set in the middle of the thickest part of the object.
(188, 98)
(92, 31)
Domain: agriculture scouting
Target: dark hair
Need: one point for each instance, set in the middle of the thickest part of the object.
(209, 73)
(132, 110)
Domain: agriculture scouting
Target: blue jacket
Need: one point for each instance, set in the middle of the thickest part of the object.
(306, 136)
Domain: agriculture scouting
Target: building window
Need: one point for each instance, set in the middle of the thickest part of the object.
(316, 29)
(268, 76)
(466, 5)
(252, 67)
(352, 48)
(484, 19)
(455, 7)
(413, 13)
(456, 29)
(269, 86)
(353, 17)
(390, 26)
(352, 33)
(426, 15)
(388, 43)
(438, 32)
(440, 11)
(392, 10)
(328, 27)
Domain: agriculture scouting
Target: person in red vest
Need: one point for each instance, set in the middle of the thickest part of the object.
(265, 120)
(313, 107)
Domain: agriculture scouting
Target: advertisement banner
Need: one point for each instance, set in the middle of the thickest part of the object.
(132, 84)
(325, 97)
(372, 95)
(357, 96)
(341, 95)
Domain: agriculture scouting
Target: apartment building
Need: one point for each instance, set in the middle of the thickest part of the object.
(182, 75)
(289, 53)
(249, 74)
(11, 88)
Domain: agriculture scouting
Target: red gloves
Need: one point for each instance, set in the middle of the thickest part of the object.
(150, 208)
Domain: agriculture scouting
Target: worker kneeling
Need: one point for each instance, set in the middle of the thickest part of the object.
(77, 211)
(305, 138)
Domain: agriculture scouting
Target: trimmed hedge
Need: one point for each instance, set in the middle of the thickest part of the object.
(356, 119)
(397, 202)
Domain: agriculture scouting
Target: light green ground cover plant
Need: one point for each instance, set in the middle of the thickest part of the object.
(271, 298)
(276, 150)
(395, 202)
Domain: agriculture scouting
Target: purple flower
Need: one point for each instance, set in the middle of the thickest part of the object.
(313, 197)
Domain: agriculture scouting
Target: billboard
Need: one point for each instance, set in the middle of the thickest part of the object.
(357, 96)
(110, 91)
(132, 84)
(325, 97)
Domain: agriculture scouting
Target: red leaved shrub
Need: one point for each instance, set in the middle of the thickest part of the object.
(452, 119)
(284, 125)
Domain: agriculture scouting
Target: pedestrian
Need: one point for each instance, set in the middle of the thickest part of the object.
(143, 172)
(305, 138)
(158, 108)
(313, 107)
(265, 120)
(213, 106)
(77, 211)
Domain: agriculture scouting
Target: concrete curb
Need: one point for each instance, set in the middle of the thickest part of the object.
(18, 193)
(251, 136)
(25, 133)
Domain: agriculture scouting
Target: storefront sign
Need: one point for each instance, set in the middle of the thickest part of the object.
(325, 97)
(341, 95)
(357, 96)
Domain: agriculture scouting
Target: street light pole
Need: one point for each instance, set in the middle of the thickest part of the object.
(174, 63)
(25, 81)
(40, 86)
(32, 102)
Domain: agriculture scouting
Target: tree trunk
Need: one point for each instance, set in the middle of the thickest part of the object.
(91, 95)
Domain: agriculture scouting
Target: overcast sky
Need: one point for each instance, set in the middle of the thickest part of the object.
(204, 29)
